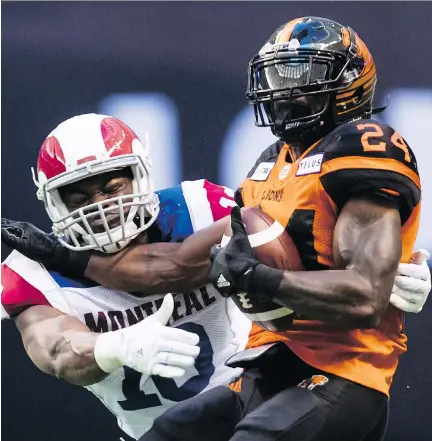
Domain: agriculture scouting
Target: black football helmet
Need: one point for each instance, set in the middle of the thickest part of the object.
(311, 75)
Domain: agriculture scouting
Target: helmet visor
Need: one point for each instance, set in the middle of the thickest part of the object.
(296, 74)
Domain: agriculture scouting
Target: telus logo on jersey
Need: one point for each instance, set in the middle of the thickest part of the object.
(184, 305)
(309, 165)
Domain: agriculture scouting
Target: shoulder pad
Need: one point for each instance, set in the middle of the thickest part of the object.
(173, 221)
(261, 169)
(367, 158)
(207, 202)
(191, 206)
(24, 283)
(366, 138)
(270, 155)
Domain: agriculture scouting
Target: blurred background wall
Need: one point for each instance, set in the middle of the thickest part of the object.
(178, 72)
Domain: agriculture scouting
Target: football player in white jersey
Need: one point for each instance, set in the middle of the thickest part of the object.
(94, 178)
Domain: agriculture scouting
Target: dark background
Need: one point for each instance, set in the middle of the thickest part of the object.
(61, 58)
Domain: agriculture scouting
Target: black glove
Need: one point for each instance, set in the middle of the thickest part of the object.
(44, 248)
(235, 268)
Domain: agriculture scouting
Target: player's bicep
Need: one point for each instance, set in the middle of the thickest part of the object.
(367, 241)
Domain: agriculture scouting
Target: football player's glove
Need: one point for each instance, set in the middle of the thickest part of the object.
(235, 269)
(43, 248)
(149, 347)
(412, 284)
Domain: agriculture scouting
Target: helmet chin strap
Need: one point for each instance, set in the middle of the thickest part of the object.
(279, 125)
(304, 133)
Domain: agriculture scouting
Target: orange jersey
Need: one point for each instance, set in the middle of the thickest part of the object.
(362, 158)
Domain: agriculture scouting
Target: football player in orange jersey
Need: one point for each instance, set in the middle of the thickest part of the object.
(310, 78)
(349, 196)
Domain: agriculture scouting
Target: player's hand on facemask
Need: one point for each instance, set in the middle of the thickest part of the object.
(412, 284)
(43, 248)
(149, 346)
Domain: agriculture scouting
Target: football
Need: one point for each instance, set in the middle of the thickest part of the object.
(273, 247)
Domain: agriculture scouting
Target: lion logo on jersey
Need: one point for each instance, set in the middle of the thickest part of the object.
(314, 381)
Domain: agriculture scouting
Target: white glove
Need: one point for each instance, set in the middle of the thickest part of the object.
(149, 346)
(412, 284)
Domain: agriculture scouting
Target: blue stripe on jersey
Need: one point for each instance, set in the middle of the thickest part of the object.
(174, 220)
(65, 282)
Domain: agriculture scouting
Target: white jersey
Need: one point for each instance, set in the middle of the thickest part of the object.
(138, 399)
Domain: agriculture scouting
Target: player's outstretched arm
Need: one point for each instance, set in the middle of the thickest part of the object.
(160, 267)
(61, 345)
(367, 245)
(156, 268)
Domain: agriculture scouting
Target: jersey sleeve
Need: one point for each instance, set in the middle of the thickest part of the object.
(207, 202)
(22, 282)
(370, 159)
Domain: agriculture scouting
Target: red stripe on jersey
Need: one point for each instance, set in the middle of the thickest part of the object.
(18, 294)
(220, 198)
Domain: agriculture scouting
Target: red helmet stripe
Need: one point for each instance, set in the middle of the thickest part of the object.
(117, 136)
(51, 158)
(86, 159)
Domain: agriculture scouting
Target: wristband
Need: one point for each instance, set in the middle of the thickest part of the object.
(105, 351)
(72, 263)
(265, 280)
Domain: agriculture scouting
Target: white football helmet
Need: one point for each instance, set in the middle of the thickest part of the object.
(88, 145)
